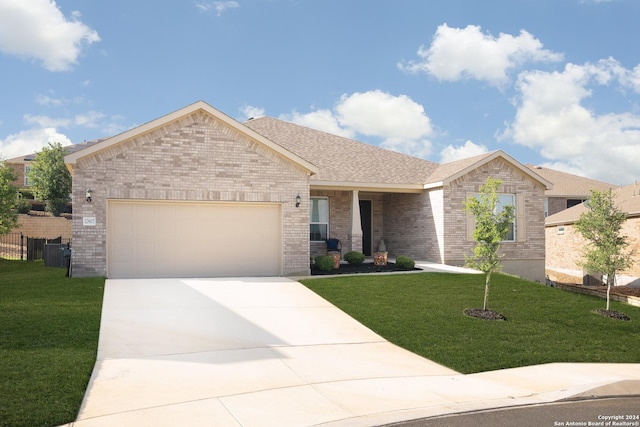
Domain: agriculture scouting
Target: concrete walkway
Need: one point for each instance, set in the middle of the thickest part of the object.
(269, 352)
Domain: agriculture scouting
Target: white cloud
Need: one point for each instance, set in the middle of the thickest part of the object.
(216, 6)
(398, 122)
(551, 118)
(90, 119)
(469, 149)
(37, 29)
(324, 120)
(30, 141)
(251, 112)
(468, 53)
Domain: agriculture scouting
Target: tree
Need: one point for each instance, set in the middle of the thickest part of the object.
(492, 223)
(50, 179)
(601, 226)
(8, 199)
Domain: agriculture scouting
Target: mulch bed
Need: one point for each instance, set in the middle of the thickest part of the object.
(479, 313)
(367, 267)
(613, 314)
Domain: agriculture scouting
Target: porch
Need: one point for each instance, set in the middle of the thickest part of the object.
(360, 219)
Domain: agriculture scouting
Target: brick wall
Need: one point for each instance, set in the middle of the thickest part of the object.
(409, 227)
(194, 158)
(44, 227)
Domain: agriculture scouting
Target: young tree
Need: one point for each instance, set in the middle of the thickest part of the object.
(493, 222)
(8, 199)
(50, 179)
(601, 226)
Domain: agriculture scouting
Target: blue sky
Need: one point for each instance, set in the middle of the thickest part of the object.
(550, 82)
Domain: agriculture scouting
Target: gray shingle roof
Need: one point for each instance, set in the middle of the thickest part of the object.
(569, 185)
(344, 160)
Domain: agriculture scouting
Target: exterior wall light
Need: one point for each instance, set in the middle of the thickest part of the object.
(88, 194)
(298, 201)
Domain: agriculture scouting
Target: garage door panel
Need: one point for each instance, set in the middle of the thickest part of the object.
(191, 239)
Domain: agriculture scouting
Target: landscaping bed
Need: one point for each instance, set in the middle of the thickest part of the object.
(365, 267)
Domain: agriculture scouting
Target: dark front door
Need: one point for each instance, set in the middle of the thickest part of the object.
(365, 222)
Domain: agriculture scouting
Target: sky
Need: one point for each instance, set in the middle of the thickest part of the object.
(554, 83)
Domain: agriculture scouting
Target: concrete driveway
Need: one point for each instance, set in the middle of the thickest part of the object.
(269, 352)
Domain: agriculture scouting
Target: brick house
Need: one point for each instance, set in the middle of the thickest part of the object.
(565, 244)
(196, 193)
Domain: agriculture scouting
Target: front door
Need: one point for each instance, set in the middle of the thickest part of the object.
(365, 222)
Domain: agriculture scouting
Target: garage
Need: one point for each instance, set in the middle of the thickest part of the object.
(193, 239)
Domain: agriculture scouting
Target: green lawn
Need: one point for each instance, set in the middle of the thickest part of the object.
(424, 314)
(49, 327)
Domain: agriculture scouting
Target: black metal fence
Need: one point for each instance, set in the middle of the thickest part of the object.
(19, 246)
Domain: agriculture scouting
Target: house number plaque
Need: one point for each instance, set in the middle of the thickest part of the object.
(88, 221)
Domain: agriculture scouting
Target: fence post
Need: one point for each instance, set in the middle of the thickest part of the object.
(21, 246)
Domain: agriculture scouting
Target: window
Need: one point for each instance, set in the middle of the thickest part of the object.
(27, 169)
(574, 202)
(508, 200)
(319, 218)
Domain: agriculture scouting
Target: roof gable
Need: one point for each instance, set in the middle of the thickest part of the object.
(448, 172)
(174, 117)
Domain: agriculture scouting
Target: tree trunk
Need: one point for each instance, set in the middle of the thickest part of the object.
(486, 291)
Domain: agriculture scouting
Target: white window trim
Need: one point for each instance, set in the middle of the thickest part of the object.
(327, 223)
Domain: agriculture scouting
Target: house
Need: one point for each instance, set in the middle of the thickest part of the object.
(21, 166)
(196, 193)
(568, 189)
(565, 245)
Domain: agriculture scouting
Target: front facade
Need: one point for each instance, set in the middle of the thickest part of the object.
(196, 193)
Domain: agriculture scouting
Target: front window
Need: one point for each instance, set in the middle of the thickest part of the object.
(319, 218)
(508, 200)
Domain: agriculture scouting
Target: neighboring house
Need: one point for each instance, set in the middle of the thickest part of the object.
(565, 245)
(196, 193)
(21, 166)
(568, 189)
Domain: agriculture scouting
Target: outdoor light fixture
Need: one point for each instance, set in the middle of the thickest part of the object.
(88, 194)
(298, 201)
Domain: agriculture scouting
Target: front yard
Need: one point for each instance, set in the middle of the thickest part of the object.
(424, 314)
(49, 327)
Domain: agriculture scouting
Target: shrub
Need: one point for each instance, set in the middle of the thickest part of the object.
(354, 257)
(324, 262)
(405, 262)
(23, 206)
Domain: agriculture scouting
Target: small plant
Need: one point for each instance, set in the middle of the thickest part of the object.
(354, 257)
(405, 262)
(324, 262)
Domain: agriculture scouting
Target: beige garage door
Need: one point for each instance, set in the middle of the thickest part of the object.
(193, 239)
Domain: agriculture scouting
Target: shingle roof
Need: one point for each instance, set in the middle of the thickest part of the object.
(344, 160)
(569, 185)
(627, 199)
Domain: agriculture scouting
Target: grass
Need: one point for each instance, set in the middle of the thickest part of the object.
(424, 314)
(49, 327)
